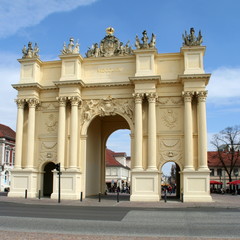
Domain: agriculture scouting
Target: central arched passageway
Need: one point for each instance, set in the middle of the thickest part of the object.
(98, 132)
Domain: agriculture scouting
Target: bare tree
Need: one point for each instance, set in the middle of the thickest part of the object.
(227, 145)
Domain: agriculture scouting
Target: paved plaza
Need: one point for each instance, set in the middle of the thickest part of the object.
(219, 201)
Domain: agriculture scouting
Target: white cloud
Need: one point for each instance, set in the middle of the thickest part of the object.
(224, 85)
(18, 14)
(120, 141)
(9, 74)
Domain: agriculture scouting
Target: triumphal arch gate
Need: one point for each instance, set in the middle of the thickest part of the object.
(68, 108)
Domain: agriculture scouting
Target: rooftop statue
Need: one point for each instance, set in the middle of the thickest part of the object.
(30, 52)
(71, 48)
(191, 39)
(145, 44)
(109, 46)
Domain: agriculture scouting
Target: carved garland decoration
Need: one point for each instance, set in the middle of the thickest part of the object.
(106, 107)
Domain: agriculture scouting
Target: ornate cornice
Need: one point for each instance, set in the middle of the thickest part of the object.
(156, 78)
(27, 85)
(69, 83)
(195, 77)
(110, 84)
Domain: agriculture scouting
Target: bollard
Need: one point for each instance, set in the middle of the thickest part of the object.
(26, 194)
(81, 196)
(99, 197)
(165, 196)
(39, 194)
(117, 196)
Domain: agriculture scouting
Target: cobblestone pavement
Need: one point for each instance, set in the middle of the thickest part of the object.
(219, 201)
(4, 235)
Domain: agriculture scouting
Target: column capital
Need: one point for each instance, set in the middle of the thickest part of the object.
(151, 97)
(75, 100)
(138, 97)
(20, 103)
(188, 95)
(32, 102)
(201, 96)
(62, 101)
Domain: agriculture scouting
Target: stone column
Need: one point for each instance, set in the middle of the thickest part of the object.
(32, 103)
(61, 130)
(188, 131)
(202, 130)
(138, 164)
(74, 131)
(19, 133)
(151, 131)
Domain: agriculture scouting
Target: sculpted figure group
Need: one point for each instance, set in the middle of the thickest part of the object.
(111, 46)
(71, 48)
(191, 39)
(30, 52)
(145, 44)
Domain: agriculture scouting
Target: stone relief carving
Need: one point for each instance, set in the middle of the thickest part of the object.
(191, 39)
(106, 107)
(49, 106)
(71, 48)
(169, 100)
(145, 44)
(51, 123)
(48, 152)
(170, 150)
(109, 46)
(30, 52)
(170, 118)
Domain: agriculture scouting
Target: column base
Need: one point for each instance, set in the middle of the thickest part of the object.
(70, 182)
(145, 186)
(196, 186)
(22, 180)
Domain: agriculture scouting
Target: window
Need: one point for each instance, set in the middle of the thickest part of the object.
(219, 172)
(212, 172)
(13, 158)
(108, 171)
(235, 172)
(7, 157)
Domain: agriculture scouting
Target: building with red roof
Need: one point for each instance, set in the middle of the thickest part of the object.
(218, 172)
(7, 155)
(118, 170)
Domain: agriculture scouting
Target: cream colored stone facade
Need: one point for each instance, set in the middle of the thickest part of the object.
(68, 108)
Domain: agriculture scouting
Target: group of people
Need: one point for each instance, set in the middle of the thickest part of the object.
(117, 189)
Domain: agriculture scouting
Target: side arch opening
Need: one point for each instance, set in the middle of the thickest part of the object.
(170, 181)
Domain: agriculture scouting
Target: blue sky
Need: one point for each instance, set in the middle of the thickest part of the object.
(52, 22)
